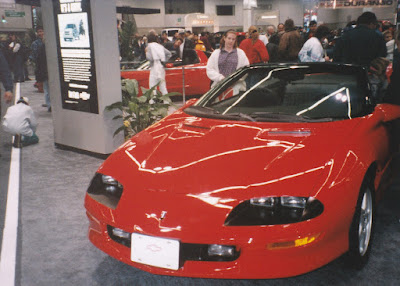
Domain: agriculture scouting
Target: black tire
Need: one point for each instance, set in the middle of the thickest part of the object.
(362, 227)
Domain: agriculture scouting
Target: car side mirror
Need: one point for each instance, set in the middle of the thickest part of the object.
(169, 65)
(388, 111)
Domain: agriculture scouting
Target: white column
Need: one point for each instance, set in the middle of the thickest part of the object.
(247, 13)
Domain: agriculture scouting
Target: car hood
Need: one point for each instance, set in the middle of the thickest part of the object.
(183, 153)
(187, 165)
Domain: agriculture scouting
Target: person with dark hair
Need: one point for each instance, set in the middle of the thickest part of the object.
(312, 50)
(186, 49)
(5, 78)
(42, 76)
(290, 43)
(311, 32)
(362, 44)
(157, 56)
(35, 47)
(204, 39)
(15, 57)
(227, 59)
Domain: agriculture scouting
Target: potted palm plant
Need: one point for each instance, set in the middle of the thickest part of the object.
(139, 112)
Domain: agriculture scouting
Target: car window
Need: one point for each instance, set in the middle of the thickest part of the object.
(287, 94)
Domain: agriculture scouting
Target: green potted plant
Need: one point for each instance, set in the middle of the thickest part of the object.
(139, 112)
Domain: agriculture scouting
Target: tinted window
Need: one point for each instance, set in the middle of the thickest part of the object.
(288, 94)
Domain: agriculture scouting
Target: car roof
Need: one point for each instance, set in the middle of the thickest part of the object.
(323, 66)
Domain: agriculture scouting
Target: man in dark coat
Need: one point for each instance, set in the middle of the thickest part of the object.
(42, 75)
(290, 43)
(5, 78)
(362, 44)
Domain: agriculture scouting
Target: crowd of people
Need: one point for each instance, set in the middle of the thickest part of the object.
(366, 42)
(18, 55)
(20, 119)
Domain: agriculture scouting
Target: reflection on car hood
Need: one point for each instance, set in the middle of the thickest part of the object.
(184, 154)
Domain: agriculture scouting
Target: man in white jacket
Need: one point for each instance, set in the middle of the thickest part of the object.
(157, 55)
(20, 120)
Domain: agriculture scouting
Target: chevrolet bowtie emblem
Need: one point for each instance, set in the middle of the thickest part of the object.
(163, 214)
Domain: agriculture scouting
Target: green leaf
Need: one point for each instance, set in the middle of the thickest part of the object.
(131, 87)
(117, 117)
(142, 99)
(115, 105)
(119, 130)
(173, 93)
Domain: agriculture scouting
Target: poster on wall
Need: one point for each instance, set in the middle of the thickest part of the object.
(76, 55)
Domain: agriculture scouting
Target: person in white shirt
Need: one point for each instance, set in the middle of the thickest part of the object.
(157, 55)
(312, 50)
(20, 120)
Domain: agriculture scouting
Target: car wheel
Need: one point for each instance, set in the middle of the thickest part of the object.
(362, 227)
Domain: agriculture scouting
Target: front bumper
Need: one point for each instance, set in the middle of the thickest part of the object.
(254, 260)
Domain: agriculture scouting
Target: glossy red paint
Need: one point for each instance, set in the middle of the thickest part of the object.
(198, 169)
(196, 80)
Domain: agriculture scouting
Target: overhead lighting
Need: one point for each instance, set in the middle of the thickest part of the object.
(269, 17)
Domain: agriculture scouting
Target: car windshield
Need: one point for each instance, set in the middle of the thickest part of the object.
(287, 94)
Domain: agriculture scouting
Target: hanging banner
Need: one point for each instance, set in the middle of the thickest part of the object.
(76, 55)
(354, 3)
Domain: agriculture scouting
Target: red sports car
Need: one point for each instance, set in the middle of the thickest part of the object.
(196, 80)
(273, 173)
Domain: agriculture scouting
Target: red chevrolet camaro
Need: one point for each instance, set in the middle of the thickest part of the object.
(195, 76)
(275, 172)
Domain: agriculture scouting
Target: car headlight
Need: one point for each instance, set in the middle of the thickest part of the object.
(274, 210)
(106, 190)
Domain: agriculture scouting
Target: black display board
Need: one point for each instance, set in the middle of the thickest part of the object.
(76, 55)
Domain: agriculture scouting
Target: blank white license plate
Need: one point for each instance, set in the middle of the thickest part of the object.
(155, 251)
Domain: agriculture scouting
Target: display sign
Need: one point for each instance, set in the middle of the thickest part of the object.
(14, 13)
(76, 55)
(354, 3)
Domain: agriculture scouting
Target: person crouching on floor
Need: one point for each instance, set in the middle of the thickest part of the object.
(20, 119)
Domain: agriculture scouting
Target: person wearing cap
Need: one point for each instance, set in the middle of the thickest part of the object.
(20, 120)
(254, 48)
(311, 32)
(5, 78)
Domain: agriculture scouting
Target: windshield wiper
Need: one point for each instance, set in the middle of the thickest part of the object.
(204, 109)
(241, 115)
(286, 116)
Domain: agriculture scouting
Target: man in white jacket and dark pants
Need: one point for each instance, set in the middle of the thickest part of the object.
(20, 120)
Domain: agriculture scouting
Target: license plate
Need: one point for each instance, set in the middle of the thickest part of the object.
(155, 251)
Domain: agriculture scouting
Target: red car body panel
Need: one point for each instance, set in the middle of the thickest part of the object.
(199, 169)
(196, 80)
